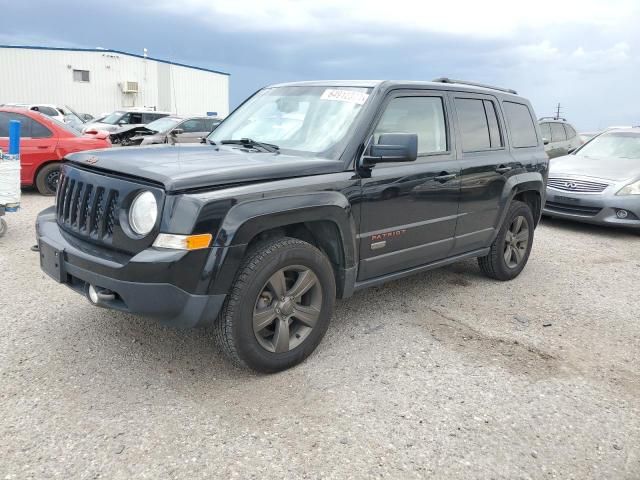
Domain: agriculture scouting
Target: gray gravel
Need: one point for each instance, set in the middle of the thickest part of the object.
(443, 375)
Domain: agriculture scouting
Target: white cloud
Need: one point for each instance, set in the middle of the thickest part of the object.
(495, 19)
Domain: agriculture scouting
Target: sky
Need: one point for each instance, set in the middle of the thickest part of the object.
(581, 54)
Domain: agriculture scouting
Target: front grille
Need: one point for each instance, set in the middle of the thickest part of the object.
(86, 209)
(578, 186)
(572, 209)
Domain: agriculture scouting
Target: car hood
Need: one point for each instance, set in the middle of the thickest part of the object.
(616, 169)
(187, 167)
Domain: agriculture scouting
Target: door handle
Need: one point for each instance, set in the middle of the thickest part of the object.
(503, 169)
(445, 177)
(43, 146)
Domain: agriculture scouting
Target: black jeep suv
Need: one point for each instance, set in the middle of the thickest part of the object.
(307, 192)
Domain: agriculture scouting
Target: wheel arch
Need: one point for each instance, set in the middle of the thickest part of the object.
(323, 219)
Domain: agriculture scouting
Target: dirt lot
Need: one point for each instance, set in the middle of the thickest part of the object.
(443, 375)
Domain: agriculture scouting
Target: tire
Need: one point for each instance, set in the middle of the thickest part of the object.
(245, 330)
(47, 178)
(509, 253)
(3, 227)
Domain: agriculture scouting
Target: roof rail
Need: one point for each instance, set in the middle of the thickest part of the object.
(474, 84)
(552, 118)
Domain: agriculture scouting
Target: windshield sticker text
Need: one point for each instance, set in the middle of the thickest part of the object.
(344, 96)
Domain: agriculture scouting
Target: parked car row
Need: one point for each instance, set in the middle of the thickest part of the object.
(170, 129)
(50, 132)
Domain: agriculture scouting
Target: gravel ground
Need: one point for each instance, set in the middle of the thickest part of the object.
(443, 375)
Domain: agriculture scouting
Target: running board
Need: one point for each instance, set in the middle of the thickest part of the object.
(422, 268)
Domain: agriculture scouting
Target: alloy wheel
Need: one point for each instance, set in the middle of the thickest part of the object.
(516, 241)
(287, 308)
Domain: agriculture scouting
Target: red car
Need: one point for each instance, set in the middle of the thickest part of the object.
(44, 143)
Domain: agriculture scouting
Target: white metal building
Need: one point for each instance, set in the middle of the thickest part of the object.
(97, 81)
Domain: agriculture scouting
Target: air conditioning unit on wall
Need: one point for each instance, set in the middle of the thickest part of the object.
(129, 87)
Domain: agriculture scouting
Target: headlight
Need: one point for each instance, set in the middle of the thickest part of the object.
(143, 213)
(631, 189)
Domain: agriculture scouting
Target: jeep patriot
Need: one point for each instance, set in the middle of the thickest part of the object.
(306, 193)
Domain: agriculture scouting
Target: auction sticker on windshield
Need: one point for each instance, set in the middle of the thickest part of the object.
(350, 96)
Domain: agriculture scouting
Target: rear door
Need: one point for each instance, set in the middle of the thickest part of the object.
(572, 137)
(559, 144)
(485, 166)
(409, 210)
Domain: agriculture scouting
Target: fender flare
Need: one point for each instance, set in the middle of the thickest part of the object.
(244, 221)
(523, 182)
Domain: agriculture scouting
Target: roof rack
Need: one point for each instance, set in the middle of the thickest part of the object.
(552, 118)
(474, 84)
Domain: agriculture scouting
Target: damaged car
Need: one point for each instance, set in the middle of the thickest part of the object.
(169, 130)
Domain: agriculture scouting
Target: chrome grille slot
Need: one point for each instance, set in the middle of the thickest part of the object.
(575, 185)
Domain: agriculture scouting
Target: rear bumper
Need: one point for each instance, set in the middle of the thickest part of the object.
(145, 284)
(597, 209)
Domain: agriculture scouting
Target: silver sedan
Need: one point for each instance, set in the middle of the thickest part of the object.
(598, 183)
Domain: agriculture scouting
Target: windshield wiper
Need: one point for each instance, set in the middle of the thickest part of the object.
(247, 142)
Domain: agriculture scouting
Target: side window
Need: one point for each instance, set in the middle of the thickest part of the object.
(46, 110)
(421, 115)
(494, 127)
(28, 128)
(557, 133)
(522, 128)
(135, 118)
(545, 130)
(39, 131)
(474, 126)
(193, 125)
(210, 124)
(571, 133)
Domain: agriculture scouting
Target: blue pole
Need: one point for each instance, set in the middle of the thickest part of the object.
(14, 137)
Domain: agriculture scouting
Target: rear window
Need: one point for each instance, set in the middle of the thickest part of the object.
(523, 130)
(570, 131)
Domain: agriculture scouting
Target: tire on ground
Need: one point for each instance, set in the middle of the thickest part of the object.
(494, 264)
(234, 327)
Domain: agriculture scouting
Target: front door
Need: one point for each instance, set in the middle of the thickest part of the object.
(409, 210)
(192, 131)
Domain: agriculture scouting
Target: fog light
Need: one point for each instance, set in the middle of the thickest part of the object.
(622, 213)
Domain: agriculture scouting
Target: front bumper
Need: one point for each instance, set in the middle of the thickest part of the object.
(150, 283)
(598, 209)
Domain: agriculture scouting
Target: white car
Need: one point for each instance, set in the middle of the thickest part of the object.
(121, 118)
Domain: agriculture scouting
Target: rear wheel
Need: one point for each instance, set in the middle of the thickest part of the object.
(511, 248)
(47, 178)
(279, 306)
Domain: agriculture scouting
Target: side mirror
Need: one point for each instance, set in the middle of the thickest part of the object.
(392, 147)
(545, 141)
(571, 150)
(203, 140)
(176, 131)
(122, 122)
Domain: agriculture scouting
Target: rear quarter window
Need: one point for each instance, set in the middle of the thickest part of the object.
(520, 121)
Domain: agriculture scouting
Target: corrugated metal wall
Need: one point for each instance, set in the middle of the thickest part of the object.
(46, 76)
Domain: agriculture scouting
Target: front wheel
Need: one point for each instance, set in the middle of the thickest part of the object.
(511, 248)
(279, 306)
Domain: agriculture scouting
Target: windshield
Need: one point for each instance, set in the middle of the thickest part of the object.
(614, 144)
(307, 120)
(112, 118)
(163, 124)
